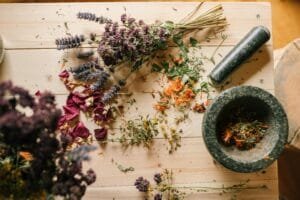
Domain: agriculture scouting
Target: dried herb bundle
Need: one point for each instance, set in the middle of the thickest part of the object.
(133, 42)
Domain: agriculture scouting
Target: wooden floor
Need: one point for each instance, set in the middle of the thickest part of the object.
(286, 16)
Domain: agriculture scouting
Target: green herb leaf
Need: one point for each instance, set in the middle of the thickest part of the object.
(193, 42)
(165, 66)
(156, 68)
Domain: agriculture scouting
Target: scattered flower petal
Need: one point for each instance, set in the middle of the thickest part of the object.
(80, 131)
(100, 134)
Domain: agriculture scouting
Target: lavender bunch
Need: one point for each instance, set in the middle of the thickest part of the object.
(69, 42)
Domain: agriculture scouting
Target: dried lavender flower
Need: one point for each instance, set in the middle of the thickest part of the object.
(101, 81)
(87, 71)
(93, 17)
(69, 42)
(111, 93)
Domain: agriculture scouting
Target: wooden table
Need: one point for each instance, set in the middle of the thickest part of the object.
(31, 60)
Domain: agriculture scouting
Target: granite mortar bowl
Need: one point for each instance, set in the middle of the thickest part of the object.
(266, 109)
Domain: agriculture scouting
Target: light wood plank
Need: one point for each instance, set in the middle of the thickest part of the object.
(129, 193)
(191, 164)
(39, 69)
(39, 25)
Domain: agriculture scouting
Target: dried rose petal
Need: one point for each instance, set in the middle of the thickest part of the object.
(71, 112)
(101, 114)
(76, 100)
(62, 120)
(64, 74)
(80, 131)
(100, 134)
(37, 93)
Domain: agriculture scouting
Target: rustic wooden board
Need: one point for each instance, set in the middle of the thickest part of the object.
(31, 60)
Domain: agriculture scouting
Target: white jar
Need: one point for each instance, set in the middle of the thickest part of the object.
(1, 50)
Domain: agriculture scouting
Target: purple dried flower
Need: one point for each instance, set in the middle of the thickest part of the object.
(142, 184)
(131, 20)
(115, 26)
(141, 22)
(107, 27)
(145, 29)
(90, 177)
(123, 18)
(157, 178)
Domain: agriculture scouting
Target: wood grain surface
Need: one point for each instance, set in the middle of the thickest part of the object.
(32, 61)
(285, 15)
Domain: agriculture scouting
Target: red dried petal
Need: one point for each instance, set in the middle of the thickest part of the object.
(76, 100)
(71, 112)
(38, 93)
(100, 134)
(62, 120)
(64, 74)
(101, 114)
(80, 131)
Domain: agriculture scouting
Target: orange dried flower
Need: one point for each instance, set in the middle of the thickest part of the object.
(174, 87)
(162, 105)
(199, 107)
(186, 97)
(227, 136)
(26, 155)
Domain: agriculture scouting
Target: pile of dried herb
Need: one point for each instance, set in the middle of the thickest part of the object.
(245, 134)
